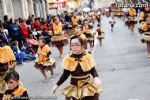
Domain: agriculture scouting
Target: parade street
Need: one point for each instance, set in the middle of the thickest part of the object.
(121, 62)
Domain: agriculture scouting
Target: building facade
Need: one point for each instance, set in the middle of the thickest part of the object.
(23, 8)
(42, 8)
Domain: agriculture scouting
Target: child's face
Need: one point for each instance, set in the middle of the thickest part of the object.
(57, 20)
(12, 84)
(76, 46)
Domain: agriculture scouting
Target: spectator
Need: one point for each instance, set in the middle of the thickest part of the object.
(24, 28)
(48, 19)
(28, 49)
(14, 31)
(29, 29)
(29, 21)
(20, 55)
(67, 17)
(6, 22)
(44, 33)
(44, 26)
(32, 42)
(36, 25)
(4, 36)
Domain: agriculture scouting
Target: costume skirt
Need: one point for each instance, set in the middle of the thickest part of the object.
(85, 88)
(47, 65)
(145, 37)
(59, 40)
(102, 36)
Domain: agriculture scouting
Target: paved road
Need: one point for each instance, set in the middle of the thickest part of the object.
(122, 65)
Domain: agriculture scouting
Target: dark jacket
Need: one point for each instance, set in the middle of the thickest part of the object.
(15, 49)
(13, 29)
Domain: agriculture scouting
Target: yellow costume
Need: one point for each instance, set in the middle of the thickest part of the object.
(142, 16)
(42, 52)
(100, 33)
(89, 34)
(132, 12)
(57, 28)
(70, 63)
(18, 93)
(145, 37)
(117, 12)
(6, 55)
(58, 39)
(75, 20)
(3, 85)
(131, 18)
(84, 86)
(145, 27)
(43, 61)
(8, 61)
(82, 36)
(71, 32)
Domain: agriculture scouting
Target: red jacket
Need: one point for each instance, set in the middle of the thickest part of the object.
(37, 26)
(45, 27)
(24, 29)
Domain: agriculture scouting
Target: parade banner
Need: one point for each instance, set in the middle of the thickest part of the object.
(61, 6)
(57, 6)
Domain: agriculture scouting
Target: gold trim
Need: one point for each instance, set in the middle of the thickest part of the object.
(87, 63)
(83, 89)
(79, 77)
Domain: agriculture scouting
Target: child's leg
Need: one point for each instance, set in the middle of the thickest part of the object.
(31, 50)
(91, 45)
(148, 48)
(60, 48)
(44, 74)
(100, 41)
(21, 57)
(29, 57)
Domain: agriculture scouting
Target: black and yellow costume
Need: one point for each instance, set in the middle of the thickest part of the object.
(117, 12)
(92, 19)
(3, 85)
(7, 62)
(58, 38)
(145, 37)
(81, 85)
(43, 61)
(100, 33)
(82, 36)
(131, 12)
(7, 57)
(131, 17)
(144, 15)
(19, 93)
(88, 34)
(70, 31)
(98, 18)
(75, 20)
